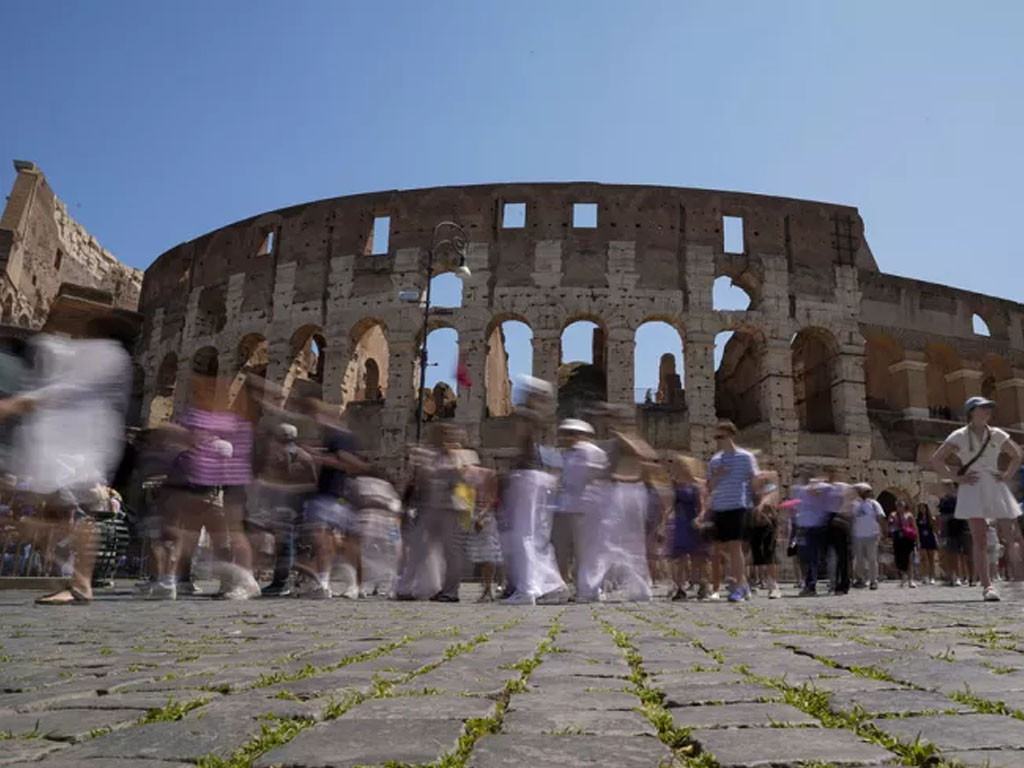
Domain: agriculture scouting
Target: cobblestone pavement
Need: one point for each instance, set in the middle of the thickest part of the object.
(876, 678)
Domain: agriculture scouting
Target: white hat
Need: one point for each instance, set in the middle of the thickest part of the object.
(576, 425)
(287, 431)
(535, 386)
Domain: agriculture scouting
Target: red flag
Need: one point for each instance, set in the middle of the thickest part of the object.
(462, 374)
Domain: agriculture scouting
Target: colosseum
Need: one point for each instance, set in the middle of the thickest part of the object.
(833, 364)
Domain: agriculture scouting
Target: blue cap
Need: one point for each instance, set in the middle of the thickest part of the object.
(977, 402)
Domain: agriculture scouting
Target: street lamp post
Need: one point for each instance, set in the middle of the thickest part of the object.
(448, 236)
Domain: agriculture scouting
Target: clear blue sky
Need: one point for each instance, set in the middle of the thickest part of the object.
(159, 121)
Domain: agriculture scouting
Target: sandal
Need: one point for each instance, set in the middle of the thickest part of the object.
(75, 597)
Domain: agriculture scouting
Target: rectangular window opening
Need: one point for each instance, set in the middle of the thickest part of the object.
(584, 215)
(381, 235)
(513, 216)
(58, 259)
(732, 234)
(268, 247)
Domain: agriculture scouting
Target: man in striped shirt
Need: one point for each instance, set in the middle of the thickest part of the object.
(732, 471)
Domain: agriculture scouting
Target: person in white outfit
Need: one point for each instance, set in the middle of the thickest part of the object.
(613, 533)
(584, 467)
(983, 493)
(867, 514)
(525, 519)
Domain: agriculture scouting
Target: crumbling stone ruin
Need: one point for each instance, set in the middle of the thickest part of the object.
(833, 364)
(43, 248)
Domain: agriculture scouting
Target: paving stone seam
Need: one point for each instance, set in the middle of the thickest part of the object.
(283, 730)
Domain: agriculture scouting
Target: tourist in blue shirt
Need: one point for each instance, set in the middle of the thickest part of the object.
(732, 473)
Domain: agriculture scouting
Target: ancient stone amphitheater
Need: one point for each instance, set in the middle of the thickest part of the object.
(833, 364)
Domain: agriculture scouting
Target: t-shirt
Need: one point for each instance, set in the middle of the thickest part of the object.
(967, 446)
(582, 466)
(732, 488)
(867, 513)
(332, 480)
(812, 512)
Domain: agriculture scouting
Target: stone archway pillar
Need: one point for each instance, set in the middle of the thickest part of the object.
(547, 352)
(910, 381)
(619, 373)
(963, 383)
(699, 367)
(1010, 399)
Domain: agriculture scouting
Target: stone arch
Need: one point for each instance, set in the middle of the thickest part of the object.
(509, 339)
(730, 294)
(446, 290)
(440, 396)
(308, 354)
(941, 360)
(815, 352)
(161, 407)
(582, 381)
(882, 390)
(890, 496)
(994, 371)
(205, 368)
(658, 363)
(366, 374)
(252, 358)
(740, 376)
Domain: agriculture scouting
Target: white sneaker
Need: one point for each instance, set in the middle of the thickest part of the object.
(990, 595)
(310, 590)
(913, 584)
(520, 598)
(158, 591)
(714, 596)
(775, 593)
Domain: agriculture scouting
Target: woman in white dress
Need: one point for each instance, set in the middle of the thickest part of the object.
(983, 493)
(613, 537)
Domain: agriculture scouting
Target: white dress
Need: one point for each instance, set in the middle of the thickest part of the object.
(525, 520)
(614, 544)
(989, 498)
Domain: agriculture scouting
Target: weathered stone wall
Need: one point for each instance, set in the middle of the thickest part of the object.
(41, 246)
(819, 307)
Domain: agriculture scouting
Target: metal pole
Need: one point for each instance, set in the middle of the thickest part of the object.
(423, 345)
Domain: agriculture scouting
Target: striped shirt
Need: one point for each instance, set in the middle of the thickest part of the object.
(204, 462)
(732, 487)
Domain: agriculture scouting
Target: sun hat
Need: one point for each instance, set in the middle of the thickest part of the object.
(977, 402)
(576, 425)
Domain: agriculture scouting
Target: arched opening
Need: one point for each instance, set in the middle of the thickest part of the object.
(979, 326)
(203, 381)
(440, 396)
(211, 311)
(658, 365)
(888, 498)
(994, 371)
(252, 359)
(815, 352)
(739, 376)
(366, 374)
(583, 374)
(727, 294)
(882, 390)
(161, 407)
(446, 290)
(940, 362)
(305, 374)
(509, 356)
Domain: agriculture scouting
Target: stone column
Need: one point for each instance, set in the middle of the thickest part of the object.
(849, 409)
(910, 385)
(400, 404)
(963, 384)
(1010, 400)
(279, 368)
(470, 410)
(547, 355)
(619, 366)
(778, 400)
(339, 351)
(699, 367)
